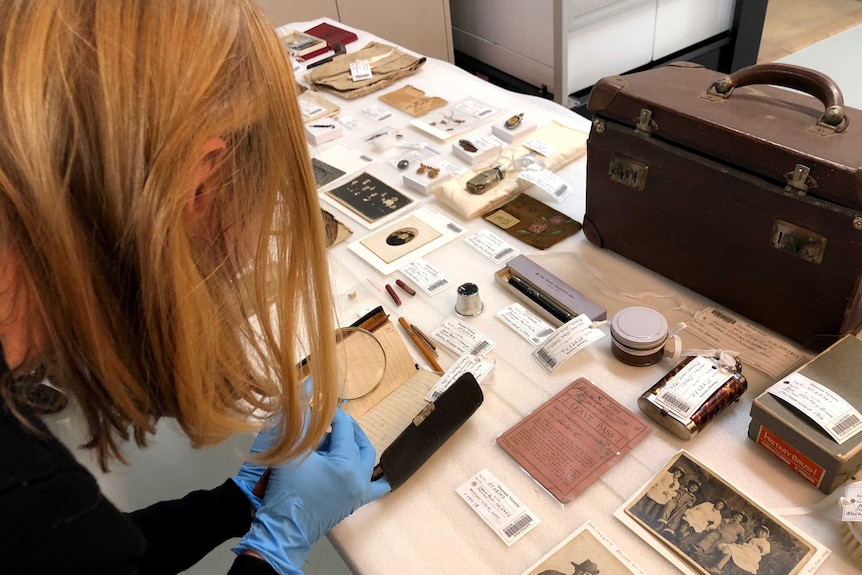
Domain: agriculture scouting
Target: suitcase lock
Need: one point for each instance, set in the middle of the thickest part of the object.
(799, 180)
(644, 124)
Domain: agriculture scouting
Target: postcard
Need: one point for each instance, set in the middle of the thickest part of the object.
(705, 525)
(429, 230)
(573, 438)
(587, 551)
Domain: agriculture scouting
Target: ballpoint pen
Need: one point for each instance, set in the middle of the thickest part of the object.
(420, 344)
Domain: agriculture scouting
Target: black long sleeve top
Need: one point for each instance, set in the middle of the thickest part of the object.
(53, 517)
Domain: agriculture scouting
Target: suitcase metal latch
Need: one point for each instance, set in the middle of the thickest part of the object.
(798, 242)
(799, 180)
(644, 124)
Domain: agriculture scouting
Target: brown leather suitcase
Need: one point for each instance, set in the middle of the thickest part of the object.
(741, 190)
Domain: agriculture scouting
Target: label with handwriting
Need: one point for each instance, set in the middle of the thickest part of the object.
(527, 324)
(492, 246)
(569, 339)
(823, 406)
(461, 337)
(430, 279)
(547, 180)
(478, 365)
(497, 506)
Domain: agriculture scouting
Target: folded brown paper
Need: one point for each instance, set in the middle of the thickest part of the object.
(412, 101)
(388, 64)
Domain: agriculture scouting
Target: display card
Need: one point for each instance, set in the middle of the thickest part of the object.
(573, 438)
(369, 197)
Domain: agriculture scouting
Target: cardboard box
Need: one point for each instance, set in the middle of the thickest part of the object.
(795, 439)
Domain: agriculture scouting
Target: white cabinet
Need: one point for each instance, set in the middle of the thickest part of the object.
(567, 45)
(423, 26)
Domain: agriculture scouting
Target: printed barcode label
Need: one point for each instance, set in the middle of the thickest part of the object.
(503, 253)
(822, 405)
(546, 358)
(561, 191)
(454, 227)
(723, 317)
(676, 402)
(518, 526)
(438, 285)
(848, 422)
(480, 348)
(497, 506)
(545, 333)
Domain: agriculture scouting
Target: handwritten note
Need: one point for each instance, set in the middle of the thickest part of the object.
(572, 439)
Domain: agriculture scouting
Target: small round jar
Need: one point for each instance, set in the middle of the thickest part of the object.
(638, 335)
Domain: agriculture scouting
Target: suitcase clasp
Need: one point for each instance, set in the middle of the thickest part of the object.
(644, 124)
(799, 180)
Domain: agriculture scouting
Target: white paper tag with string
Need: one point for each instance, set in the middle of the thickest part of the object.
(689, 389)
(546, 180)
(823, 406)
(568, 340)
(851, 508)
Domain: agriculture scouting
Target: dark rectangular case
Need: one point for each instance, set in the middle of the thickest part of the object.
(741, 190)
(429, 430)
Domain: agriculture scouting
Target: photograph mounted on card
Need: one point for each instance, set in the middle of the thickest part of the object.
(446, 123)
(571, 440)
(533, 222)
(412, 101)
(397, 241)
(338, 158)
(324, 173)
(703, 524)
(587, 551)
(369, 197)
(430, 223)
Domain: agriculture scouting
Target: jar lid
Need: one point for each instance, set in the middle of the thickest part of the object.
(639, 327)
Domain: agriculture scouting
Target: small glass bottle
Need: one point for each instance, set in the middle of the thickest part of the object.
(484, 181)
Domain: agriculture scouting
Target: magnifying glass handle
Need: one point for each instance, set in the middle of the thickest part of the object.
(260, 486)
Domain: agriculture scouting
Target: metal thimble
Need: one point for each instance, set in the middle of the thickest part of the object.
(468, 302)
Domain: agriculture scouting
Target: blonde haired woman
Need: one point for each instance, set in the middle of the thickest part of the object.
(162, 254)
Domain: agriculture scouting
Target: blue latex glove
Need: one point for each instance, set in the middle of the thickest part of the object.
(305, 499)
(250, 473)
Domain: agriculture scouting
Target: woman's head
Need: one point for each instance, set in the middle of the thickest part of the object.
(156, 191)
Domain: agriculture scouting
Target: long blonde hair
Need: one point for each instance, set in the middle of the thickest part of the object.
(103, 106)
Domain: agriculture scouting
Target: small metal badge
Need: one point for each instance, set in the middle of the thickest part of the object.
(798, 242)
(514, 121)
(628, 172)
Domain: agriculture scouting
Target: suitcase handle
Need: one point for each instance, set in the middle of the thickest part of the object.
(805, 80)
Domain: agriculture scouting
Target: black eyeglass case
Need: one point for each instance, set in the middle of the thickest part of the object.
(429, 430)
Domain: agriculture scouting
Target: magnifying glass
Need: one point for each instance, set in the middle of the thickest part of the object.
(360, 362)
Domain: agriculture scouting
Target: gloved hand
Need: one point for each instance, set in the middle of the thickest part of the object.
(250, 473)
(305, 499)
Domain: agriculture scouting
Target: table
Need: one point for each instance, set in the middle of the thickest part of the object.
(425, 527)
